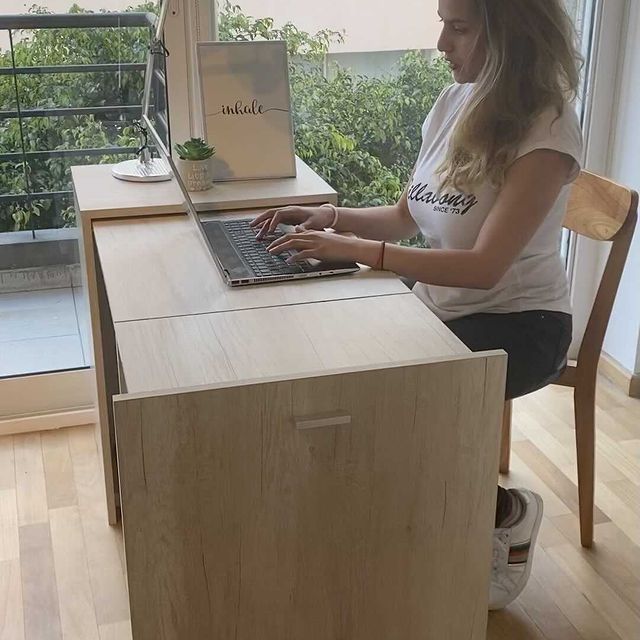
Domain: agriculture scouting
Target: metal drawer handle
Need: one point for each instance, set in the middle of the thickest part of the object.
(324, 420)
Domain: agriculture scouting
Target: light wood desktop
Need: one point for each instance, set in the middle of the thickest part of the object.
(313, 459)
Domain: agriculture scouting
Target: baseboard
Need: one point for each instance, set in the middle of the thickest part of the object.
(47, 421)
(625, 380)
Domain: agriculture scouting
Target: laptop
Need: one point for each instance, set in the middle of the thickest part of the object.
(241, 258)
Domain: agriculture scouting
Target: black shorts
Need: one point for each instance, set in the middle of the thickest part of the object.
(535, 341)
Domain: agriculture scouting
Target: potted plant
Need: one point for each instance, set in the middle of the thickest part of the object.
(194, 163)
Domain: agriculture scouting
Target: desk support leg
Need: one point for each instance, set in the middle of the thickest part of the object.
(104, 361)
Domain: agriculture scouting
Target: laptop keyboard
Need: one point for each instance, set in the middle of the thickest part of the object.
(255, 252)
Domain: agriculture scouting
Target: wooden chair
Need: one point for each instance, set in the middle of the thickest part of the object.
(602, 210)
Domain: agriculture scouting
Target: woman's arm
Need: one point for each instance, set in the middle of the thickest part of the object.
(389, 223)
(531, 187)
(380, 223)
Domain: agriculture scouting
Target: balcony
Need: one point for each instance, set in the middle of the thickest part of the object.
(70, 91)
(341, 120)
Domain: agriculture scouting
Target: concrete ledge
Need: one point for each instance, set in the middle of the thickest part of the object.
(37, 278)
(20, 250)
(31, 397)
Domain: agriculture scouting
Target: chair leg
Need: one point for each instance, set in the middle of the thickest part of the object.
(584, 408)
(505, 443)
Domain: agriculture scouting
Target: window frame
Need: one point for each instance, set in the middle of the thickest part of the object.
(51, 400)
(188, 22)
(586, 257)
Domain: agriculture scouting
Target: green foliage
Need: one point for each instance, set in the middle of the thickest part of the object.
(235, 25)
(361, 134)
(64, 47)
(194, 149)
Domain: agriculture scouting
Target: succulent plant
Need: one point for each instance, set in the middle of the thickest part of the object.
(194, 149)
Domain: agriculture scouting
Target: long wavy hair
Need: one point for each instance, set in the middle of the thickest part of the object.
(532, 63)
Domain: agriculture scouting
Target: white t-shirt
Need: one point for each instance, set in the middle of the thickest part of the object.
(452, 220)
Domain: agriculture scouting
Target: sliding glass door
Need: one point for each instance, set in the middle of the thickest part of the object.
(70, 89)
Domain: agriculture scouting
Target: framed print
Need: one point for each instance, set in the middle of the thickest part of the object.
(246, 107)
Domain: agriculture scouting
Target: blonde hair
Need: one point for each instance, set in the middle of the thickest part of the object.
(531, 64)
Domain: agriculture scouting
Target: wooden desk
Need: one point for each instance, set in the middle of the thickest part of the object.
(98, 197)
(174, 274)
(313, 459)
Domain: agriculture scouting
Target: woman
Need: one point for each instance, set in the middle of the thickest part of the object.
(489, 190)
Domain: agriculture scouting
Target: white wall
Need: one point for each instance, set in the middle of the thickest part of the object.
(373, 64)
(369, 25)
(62, 6)
(623, 337)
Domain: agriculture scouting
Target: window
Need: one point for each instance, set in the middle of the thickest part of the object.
(70, 92)
(582, 13)
(362, 81)
(362, 78)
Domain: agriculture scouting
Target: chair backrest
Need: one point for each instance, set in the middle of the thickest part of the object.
(601, 210)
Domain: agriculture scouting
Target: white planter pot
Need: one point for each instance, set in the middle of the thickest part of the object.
(196, 174)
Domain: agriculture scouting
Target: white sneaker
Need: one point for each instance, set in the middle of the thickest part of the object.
(513, 552)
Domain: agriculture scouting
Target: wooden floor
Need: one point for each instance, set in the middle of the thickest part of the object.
(61, 565)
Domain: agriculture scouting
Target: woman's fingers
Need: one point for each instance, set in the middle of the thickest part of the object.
(263, 229)
(285, 238)
(286, 215)
(268, 221)
(265, 215)
(302, 255)
(290, 242)
(271, 225)
(280, 216)
(278, 241)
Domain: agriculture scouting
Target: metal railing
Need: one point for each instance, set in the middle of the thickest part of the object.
(11, 23)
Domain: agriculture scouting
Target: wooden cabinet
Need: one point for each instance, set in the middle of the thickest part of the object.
(353, 505)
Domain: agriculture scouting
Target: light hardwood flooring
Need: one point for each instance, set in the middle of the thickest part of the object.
(61, 565)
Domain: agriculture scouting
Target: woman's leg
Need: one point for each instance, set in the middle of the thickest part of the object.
(536, 343)
(504, 506)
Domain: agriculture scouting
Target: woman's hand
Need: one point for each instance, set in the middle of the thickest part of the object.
(306, 218)
(327, 246)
